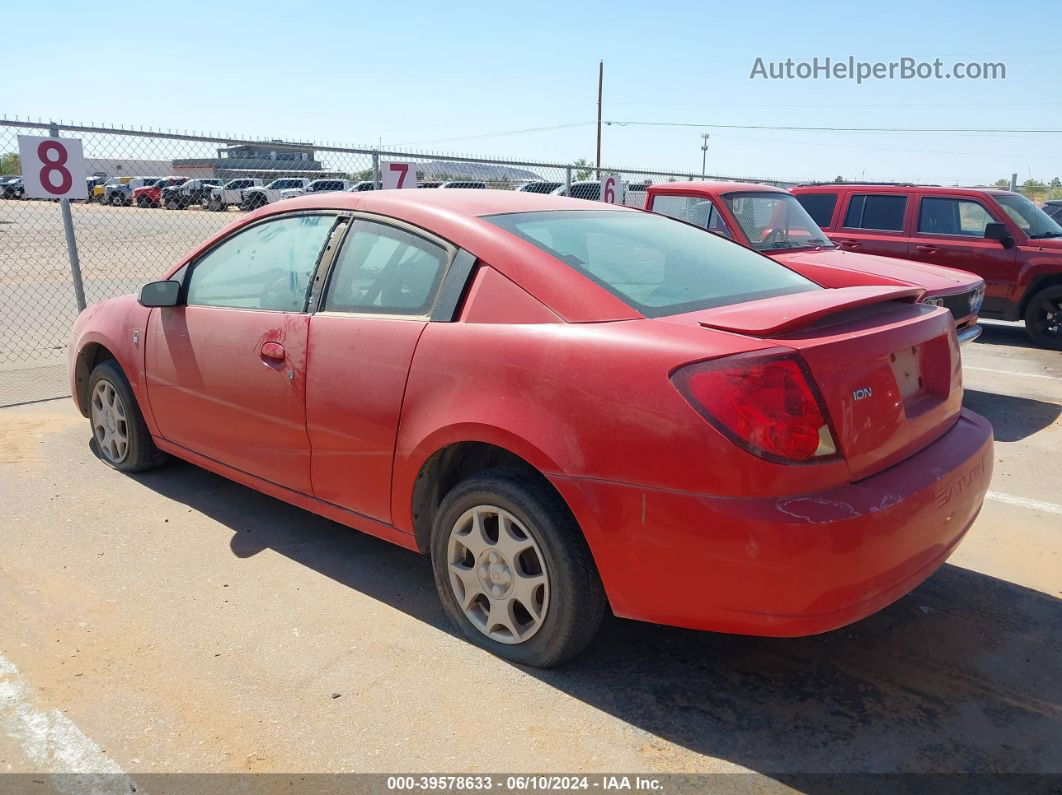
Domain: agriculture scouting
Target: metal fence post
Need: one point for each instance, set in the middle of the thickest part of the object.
(377, 178)
(567, 180)
(1014, 183)
(71, 241)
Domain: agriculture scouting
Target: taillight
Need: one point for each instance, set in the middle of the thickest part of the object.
(765, 402)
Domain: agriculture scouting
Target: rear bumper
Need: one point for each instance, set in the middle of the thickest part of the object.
(784, 566)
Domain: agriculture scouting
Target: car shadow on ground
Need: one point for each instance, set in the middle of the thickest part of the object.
(1012, 418)
(962, 675)
(1012, 335)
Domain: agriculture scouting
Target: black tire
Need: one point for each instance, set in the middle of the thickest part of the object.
(1043, 318)
(577, 601)
(117, 199)
(142, 202)
(140, 453)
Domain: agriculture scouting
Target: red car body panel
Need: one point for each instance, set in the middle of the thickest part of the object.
(152, 194)
(1012, 274)
(833, 267)
(549, 366)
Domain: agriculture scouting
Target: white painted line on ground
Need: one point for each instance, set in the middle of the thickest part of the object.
(1036, 505)
(1011, 372)
(52, 742)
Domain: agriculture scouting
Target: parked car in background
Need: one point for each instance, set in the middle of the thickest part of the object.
(178, 197)
(538, 187)
(583, 189)
(230, 194)
(365, 184)
(464, 183)
(1000, 236)
(1053, 208)
(771, 221)
(91, 183)
(317, 186)
(253, 198)
(12, 188)
(100, 192)
(428, 184)
(572, 409)
(121, 194)
(151, 195)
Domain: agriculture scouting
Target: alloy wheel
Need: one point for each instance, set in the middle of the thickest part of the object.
(498, 574)
(110, 424)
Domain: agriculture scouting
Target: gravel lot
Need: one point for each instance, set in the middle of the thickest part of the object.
(178, 622)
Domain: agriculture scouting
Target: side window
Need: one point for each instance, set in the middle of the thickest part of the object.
(384, 270)
(819, 206)
(693, 210)
(943, 216)
(880, 212)
(268, 266)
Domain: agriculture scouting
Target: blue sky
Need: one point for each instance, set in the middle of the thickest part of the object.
(437, 75)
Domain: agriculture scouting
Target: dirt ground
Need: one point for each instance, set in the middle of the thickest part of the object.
(175, 621)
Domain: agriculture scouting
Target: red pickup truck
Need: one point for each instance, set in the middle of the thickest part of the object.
(998, 235)
(151, 195)
(771, 221)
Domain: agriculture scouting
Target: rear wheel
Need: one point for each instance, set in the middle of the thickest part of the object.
(1043, 318)
(513, 570)
(119, 434)
(117, 200)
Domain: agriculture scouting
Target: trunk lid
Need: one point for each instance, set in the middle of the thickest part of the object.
(888, 369)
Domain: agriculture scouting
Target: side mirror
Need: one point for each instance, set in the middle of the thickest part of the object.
(160, 293)
(995, 231)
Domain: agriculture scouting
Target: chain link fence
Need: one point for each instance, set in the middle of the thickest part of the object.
(128, 234)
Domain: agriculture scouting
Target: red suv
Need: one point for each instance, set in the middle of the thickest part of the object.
(771, 221)
(151, 195)
(1001, 236)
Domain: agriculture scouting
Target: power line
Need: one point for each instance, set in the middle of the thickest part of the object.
(496, 134)
(829, 129)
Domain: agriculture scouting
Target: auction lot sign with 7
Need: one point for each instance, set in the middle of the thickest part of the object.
(395, 174)
(53, 168)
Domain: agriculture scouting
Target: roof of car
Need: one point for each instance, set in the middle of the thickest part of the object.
(700, 187)
(896, 187)
(446, 204)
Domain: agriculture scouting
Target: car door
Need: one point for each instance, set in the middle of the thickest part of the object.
(874, 223)
(226, 370)
(378, 299)
(950, 230)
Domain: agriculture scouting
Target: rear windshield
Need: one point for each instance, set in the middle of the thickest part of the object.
(654, 264)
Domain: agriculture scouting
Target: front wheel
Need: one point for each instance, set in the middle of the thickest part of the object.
(1043, 318)
(119, 434)
(513, 570)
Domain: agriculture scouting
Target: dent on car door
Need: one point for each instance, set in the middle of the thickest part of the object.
(378, 299)
(226, 370)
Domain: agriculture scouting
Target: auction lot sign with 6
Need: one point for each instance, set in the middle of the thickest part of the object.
(53, 168)
(395, 174)
(612, 189)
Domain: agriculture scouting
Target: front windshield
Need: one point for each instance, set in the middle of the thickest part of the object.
(652, 263)
(1032, 220)
(773, 221)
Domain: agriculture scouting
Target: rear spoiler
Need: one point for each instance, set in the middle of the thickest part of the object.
(790, 312)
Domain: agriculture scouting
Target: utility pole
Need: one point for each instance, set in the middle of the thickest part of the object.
(704, 153)
(600, 86)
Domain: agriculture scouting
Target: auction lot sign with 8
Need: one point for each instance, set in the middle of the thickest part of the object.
(53, 168)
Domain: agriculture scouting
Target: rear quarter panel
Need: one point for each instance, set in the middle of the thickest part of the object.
(587, 401)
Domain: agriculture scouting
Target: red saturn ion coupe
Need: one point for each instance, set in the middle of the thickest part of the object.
(573, 407)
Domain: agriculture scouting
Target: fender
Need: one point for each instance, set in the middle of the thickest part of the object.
(1038, 266)
(114, 330)
(410, 460)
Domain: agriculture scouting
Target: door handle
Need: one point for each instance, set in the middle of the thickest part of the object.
(274, 351)
(926, 249)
